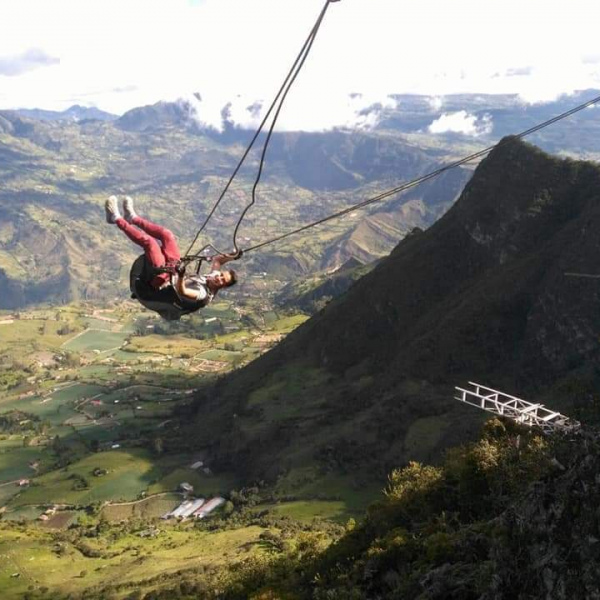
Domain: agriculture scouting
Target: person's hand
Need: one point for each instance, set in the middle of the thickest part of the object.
(180, 268)
(237, 255)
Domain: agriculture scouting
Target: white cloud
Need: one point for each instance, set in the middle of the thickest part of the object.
(436, 102)
(30, 59)
(358, 111)
(119, 54)
(462, 122)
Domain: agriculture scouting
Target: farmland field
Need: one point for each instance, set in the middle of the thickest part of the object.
(149, 508)
(57, 407)
(93, 323)
(22, 513)
(60, 520)
(128, 474)
(307, 510)
(96, 340)
(7, 491)
(14, 464)
(101, 432)
(173, 345)
(219, 355)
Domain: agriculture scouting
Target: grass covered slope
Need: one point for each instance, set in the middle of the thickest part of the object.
(367, 383)
(512, 515)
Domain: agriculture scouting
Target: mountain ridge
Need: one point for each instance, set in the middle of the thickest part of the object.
(75, 113)
(479, 296)
(62, 171)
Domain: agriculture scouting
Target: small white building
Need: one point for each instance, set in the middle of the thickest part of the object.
(208, 507)
(192, 508)
(180, 509)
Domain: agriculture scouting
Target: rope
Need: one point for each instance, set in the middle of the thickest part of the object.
(274, 122)
(282, 93)
(428, 176)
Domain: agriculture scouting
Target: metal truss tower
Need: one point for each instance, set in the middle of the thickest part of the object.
(521, 411)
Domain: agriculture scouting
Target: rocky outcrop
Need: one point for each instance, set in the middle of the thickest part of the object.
(548, 543)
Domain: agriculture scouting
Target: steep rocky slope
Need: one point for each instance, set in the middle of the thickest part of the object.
(367, 383)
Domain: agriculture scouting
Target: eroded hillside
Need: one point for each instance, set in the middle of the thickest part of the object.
(56, 174)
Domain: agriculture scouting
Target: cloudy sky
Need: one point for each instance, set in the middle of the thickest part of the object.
(118, 54)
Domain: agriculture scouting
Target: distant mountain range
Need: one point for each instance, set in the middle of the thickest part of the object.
(74, 113)
(59, 172)
(367, 383)
(57, 168)
(455, 116)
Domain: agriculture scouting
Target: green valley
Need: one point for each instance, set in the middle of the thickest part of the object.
(91, 457)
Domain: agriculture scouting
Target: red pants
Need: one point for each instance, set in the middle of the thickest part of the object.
(158, 255)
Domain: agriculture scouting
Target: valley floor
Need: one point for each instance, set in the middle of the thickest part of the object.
(89, 399)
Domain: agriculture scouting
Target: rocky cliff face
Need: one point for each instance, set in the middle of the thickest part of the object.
(482, 295)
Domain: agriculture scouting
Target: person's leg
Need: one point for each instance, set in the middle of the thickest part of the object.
(170, 249)
(152, 250)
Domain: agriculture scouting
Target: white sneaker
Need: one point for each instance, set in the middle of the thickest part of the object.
(128, 210)
(112, 210)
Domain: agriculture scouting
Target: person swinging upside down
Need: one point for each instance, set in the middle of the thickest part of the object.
(157, 280)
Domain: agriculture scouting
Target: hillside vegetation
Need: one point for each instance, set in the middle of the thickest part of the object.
(366, 384)
(56, 174)
(512, 515)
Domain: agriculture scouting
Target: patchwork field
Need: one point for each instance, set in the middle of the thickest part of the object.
(128, 473)
(96, 340)
(98, 402)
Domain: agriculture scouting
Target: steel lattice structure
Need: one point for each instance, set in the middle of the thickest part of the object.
(517, 409)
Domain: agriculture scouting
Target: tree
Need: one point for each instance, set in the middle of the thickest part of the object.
(57, 445)
(158, 446)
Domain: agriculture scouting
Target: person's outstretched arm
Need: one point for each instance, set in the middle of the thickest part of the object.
(219, 260)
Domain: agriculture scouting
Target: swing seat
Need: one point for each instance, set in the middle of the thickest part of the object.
(165, 302)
